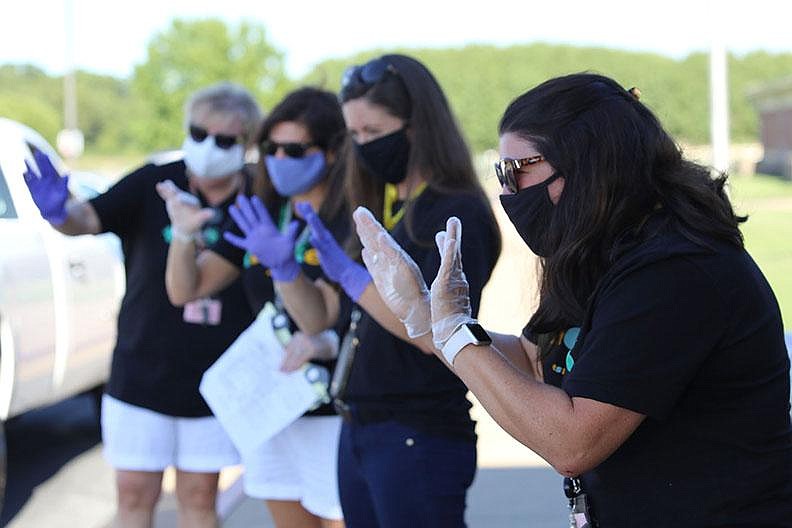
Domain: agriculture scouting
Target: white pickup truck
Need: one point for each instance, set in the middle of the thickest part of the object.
(59, 295)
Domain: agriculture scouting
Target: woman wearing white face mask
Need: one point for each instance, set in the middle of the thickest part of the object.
(153, 415)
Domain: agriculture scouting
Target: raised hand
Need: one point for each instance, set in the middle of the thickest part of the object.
(274, 249)
(184, 210)
(450, 293)
(335, 263)
(396, 275)
(49, 191)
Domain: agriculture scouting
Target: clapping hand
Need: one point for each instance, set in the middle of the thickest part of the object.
(184, 210)
(396, 275)
(450, 293)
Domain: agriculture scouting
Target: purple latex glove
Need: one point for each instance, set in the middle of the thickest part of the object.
(352, 277)
(274, 249)
(49, 191)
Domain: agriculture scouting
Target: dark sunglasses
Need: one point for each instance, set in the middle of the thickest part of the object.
(223, 141)
(293, 150)
(367, 74)
(506, 168)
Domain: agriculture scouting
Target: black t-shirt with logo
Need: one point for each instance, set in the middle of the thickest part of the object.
(159, 358)
(391, 379)
(690, 336)
(258, 282)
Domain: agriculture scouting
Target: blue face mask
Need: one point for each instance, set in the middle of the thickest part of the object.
(292, 176)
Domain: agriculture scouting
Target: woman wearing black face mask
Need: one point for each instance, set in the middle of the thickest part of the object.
(665, 399)
(407, 452)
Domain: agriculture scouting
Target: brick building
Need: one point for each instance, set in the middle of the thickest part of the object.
(773, 101)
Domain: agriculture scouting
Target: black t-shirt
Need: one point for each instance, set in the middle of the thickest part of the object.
(258, 283)
(159, 358)
(692, 338)
(391, 379)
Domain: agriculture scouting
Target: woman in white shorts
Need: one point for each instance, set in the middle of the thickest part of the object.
(295, 471)
(153, 415)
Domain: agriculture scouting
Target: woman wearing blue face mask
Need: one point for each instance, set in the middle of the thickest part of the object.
(295, 471)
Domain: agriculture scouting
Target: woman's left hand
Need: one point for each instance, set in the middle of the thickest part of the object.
(397, 277)
(450, 293)
(336, 264)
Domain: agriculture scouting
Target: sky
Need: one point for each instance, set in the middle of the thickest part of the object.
(110, 37)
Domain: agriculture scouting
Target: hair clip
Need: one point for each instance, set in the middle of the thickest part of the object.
(635, 92)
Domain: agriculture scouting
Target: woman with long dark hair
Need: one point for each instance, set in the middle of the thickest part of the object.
(407, 452)
(299, 142)
(665, 399)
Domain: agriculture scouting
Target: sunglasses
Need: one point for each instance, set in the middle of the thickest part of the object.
(293, 150)
(367, 74)
(506, 168)
(222, 141)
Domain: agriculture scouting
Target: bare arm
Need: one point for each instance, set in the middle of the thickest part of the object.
(573, 434)
(81, 220)
(520, 352)
(313, 305)
(189, 276)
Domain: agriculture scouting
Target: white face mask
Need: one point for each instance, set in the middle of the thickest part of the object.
(207, 160)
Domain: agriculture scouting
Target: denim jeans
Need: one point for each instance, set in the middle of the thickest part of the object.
(393, 476)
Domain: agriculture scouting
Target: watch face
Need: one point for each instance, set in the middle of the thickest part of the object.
(479, 333)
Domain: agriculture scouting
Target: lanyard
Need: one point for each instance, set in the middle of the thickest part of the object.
(302, 242)
(391, 195)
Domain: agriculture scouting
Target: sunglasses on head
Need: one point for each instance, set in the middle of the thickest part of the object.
(506, 169)
(223, 141)
(293, 150)
(367, 74)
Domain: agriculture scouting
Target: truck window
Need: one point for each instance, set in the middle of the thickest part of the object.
(6, 205)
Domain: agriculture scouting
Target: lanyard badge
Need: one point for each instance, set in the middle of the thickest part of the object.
(579, 509)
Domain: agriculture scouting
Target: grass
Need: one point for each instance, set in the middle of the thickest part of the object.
(768, 233)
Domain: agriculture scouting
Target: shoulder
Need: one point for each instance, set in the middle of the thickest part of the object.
(153, 173)
(434, 208)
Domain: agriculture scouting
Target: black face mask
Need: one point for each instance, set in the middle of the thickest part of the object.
(386, 157)
(530, 211)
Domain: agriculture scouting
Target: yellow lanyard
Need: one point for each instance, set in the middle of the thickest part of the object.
(391, 195)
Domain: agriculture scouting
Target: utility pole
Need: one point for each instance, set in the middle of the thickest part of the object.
(70, 140)
(719, 103)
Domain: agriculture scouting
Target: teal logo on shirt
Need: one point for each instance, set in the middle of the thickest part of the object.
(570, 338)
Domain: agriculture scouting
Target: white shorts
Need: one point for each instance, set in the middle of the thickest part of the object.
(300, 464)
(139, 439)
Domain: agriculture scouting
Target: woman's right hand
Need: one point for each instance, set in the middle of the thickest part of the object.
(184, 210)
(396, 276)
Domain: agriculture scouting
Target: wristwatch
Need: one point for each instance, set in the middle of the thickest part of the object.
(465, 334)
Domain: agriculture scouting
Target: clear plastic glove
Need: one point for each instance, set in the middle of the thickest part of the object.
(335, 263)
(184, 210)
(303, 348)
(274, 249)
(49, 191)
(450, 293)
(396, 275)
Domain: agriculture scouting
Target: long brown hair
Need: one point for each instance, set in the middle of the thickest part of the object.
(320, 112)
(619, 166)
(438, 152)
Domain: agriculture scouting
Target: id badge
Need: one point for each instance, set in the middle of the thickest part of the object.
(203, 312)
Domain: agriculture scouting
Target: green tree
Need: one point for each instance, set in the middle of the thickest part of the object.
(190, 55)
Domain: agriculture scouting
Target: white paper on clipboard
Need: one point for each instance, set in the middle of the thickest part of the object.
(248, 394)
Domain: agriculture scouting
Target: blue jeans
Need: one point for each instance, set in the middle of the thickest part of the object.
(393, 476)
